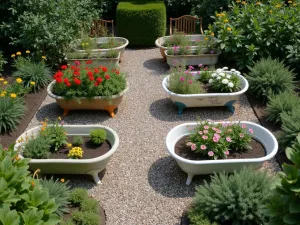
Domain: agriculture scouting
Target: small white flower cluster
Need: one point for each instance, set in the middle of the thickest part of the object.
(221, 76)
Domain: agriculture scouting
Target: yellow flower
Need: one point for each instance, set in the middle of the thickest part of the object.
(59, 118)
(212, 34)
(238, 1)
(86, 43)
(18, 53)
(206, 38)
(13, 95)
(270, 11)
(17, 158)
(2, 95)
(218, 15)
(222, 14)
(294, 4)
(257, 3)
(62, 180)
(82, 44)
(244, 3)
(27, 51)
(229, 29)
(32, 82)
(5, 82)
(226, 21)
(13, 55)
(19, 80)
(1, 79)
(69, 145)
(44, 57)
(278, 6)
(290, 2)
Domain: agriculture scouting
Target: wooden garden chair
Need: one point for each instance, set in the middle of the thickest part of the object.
(186, 24)
(99, 24)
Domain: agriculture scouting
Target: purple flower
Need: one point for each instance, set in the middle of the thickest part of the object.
(212, 52)
(203, 147)
(228, 139)
(211, 153)
(181, 79)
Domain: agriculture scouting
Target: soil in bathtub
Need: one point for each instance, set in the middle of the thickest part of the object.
(90, 150)
(184, 151)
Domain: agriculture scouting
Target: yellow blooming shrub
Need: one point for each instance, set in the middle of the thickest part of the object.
(75, 153)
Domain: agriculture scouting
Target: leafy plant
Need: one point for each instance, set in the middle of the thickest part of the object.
(86, 218)
(60, 191)
(32, 72)
(98, 136)
(77, 196)
(77, 141)
(197, 218)
(75, 153)
(293, 57)
(90, 205)
(22, 199)
(269, 77)
(235, 199)
(176, 39)
(2, 62)
(37, 148)
(67, 222)
(283, 102)
(11, 112)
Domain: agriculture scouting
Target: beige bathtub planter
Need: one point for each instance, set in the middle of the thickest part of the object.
(73, 166)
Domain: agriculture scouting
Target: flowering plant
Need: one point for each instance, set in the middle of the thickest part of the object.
(80, 81)
(14, 90)
(222, 80)
(216, 140)
(75, 153)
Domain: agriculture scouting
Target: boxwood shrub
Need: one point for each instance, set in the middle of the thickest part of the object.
(141, 23)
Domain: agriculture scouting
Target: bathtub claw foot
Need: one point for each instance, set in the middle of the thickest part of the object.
(230, 106)
(94, 174)
(189, 179)
(110, 110)
(66, 112)
(180, 107)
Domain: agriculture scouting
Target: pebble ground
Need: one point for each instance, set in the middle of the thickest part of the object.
(142, 184)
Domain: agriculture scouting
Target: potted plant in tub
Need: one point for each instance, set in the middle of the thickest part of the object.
(204, 88)
(79, 88)
(208, 147)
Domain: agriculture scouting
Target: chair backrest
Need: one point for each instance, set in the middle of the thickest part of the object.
(186, 24)
(98, 25)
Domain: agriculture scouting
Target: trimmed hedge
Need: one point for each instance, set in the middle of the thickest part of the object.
(140, 23)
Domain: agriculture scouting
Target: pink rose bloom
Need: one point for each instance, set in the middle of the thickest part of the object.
(205, 131)
(217, 135)
(211, 153)
(204, 137)
(251, 131)
(228, 139)
(193, 147)
(206, 127)
(242, 135)
(215, 139)
(200, 132)
(203, 147)
(226, 152)
(189, 144)
(243, 126)
(181, 79)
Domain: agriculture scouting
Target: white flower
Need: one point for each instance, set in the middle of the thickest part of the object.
(219, 70)
(230, 84)
(232, 70)
(228, 76)
(222, 74)
(210, 81)
(225, 68)
(213, 75)
(225, 81)
(218, 78)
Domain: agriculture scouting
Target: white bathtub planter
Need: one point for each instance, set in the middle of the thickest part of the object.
(74, 166)
(199, 167)
(183, 101)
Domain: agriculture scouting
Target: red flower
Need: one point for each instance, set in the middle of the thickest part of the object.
(73, 67)
(107, 77)
(77, 81)
(104, 69)
(58, 74)
(91, 78)
(76, 73)
(90, 73)
(96, 84)
(99, 79)
(89, 62)
(58, 79)
(96, 70)
(117, 72)
(63, 67)
(68, 84)
(87, 69)
(66, 80)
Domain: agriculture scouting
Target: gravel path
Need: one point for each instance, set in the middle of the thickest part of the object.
(142, 185)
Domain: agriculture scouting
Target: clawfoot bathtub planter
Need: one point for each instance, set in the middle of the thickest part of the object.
(198, 167)
(73, 166)
(95, 103)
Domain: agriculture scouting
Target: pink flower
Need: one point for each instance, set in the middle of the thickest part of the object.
(203, 147)
(191, 67)
(189, 144)
(215, 139)
(200, 65)
(251, 131)
(77, 63)
(206, 68)
(205, 131)
(198, 72)
(211, 153)
(212, 52)
(226, 152)
(206, 127)
(218, 131)
(62, 122)
(187, 72)
(200, 132)
(224, 124)
(228, 139)
(214, 128)
(181, 79)
(242, 135)
(243, 126)
(193, 147)
(217, 135)
(190, 81)
(204, 137)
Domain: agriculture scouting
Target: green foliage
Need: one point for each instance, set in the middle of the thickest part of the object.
(283, 102)
(11, 112)
(78, 195)
(98, 136)
(32, 71)
(90, 205)
(37, 148)
(67, 222)
(251, 31)
(2, 62)
(77, 141)
(86, 218)
(196, 217)
(293, 56)
(22, 199)
(60, 191)
(50, 24)
(141, 23)
(269, 77)
(176, 39)
(235, 199)
(284, 206)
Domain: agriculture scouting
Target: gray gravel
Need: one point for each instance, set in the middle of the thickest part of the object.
(142, 183)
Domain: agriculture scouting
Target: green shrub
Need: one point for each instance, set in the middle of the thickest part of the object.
(86, 218)
(22, 199)
(11, 113)
(141, 23)
(269, 77)
(67, 222)
(283, 102)
(30, 71)
(251, 31)
(89, 205)
(37, 148)
(283, 207)
(77, 141)
(2, 62)
(78, 195)
(98, 136)
(234, 199)
(60, 191)
(197, 218)
(293, 56)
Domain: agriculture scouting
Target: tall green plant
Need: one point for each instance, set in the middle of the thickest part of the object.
(2, 62)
